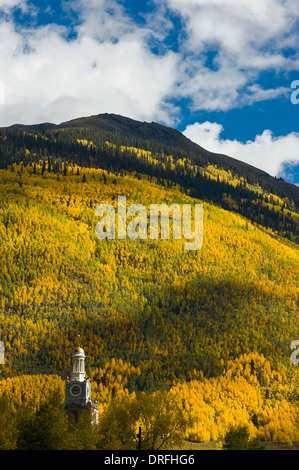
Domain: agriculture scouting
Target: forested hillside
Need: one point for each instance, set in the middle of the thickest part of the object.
(212, 326)
(233, 185)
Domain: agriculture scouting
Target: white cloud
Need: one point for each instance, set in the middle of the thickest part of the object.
(266, 152)
(240, 27)
(247, 38)
(7, 5)
(107, 67)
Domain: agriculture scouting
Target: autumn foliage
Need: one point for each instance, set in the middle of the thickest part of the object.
(212, 327)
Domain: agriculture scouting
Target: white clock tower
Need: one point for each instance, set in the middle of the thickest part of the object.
(78, 389)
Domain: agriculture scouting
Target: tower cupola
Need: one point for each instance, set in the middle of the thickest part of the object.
(78, 372)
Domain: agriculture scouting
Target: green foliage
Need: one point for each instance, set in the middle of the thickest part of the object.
(45, 429)
(150, 303)
(158, 417)
(83, 435)
(238, 439)
(270, 206)
(7, 425)
(48, 427)
(150, 315)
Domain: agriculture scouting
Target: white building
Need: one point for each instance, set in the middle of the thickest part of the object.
(78, 389)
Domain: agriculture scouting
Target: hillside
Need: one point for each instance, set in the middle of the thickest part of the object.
(114, 143)
(213, 326)
(185, 309)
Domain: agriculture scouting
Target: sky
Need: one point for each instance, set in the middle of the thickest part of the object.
(223, 72)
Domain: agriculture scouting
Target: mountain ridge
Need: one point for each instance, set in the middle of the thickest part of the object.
(128, 127)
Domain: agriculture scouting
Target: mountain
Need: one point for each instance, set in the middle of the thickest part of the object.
(154, 132)
(213, 326)
(117, 143)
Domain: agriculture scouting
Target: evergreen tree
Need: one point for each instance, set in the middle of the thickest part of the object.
(46, 429)
(84, 434)
(237, 438)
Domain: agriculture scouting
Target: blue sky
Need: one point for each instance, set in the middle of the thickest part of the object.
(220, 71)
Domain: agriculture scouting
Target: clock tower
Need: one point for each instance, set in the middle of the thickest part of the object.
(78, 389)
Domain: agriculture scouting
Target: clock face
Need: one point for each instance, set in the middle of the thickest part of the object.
(75, 390)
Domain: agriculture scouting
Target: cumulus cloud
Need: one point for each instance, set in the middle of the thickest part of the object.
(246, 38)
(106, 63)
(267, 152)
(7, 5)
(241, 29)
(106, 67)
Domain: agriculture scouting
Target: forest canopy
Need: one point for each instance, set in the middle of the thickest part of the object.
(213, 327)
